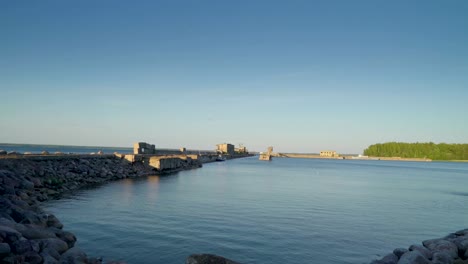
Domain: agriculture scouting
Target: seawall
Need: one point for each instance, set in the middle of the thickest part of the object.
(30, 235)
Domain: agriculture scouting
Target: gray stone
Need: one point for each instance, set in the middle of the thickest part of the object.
(45, 152)
(34, 231)
(52, 221)
(51, 252)
(9, 234)
(13, 259)
(413, 257)
(3, 152)
(4, 249)
(208, 259)
(74, 256)
(463, 232)
(32, 257)
(48, 259)
(23, 246)
(441, 258)
(53, 243)
(424, 251)
(440, 245)
(27, 185)
(462, 245)
(68, 237)
(399, 251)
(388, 259)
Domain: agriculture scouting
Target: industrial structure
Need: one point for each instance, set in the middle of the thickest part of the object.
(329, 153)
(225, 148)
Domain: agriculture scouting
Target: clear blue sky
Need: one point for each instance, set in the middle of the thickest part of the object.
(302, 76)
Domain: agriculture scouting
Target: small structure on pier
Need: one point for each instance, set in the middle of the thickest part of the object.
(267, 155)
(143, 148)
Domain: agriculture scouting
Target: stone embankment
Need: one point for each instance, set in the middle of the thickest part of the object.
(30, 235)
(451, 249)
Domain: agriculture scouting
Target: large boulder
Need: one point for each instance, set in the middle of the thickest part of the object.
(32, 257)
(424, 251)
(74, 256)
(388, 259)
(34, 231)
(441, 245)
(22, 246)
(4, 249)
(399, 251)
(441, 258)
(52, 221)
(54, 243)
(9, 234)
(208, 259)
(413, 257)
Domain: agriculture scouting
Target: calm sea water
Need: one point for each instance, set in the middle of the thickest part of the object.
(283, 211)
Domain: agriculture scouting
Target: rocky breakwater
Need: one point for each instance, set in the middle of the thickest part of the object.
(451, 249)
(30, 235)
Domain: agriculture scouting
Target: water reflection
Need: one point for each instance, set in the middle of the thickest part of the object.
(127, 191)
(152, 189)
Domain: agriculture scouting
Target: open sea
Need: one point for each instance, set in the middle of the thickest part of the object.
(284, 211)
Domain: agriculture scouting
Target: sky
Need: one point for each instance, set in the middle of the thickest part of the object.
(301, 76)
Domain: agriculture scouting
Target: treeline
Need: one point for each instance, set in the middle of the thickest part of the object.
(429, 150)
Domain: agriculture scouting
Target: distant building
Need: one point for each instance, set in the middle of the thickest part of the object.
(240, 150)
(143, 148)
(328, 153)
(225, 148)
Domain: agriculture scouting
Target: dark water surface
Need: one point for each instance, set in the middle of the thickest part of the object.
(283, 211)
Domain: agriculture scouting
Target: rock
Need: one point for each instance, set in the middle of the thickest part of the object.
(52, 221)
(22, 246)
(4, 249)
(74, 256)
(51, 252)
(413, 257)
(68, 237)
(27, 153)
(463, 232)
(441, 258)
(424, 251)
(53, 243)
(3, 152)
(13, 153)
(388, 259)
(32, 257)
(9, 234)
(100, 152)
(34, 231)
(45, 152)
(13, 259)
(400, 251)
(48, 259)
(208, 259)
(27, 185)
(440, 245)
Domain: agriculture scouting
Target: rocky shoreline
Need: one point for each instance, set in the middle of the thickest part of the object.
(451, 249)
(30, 235)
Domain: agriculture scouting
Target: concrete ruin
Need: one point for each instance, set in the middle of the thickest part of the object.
(143, 148)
